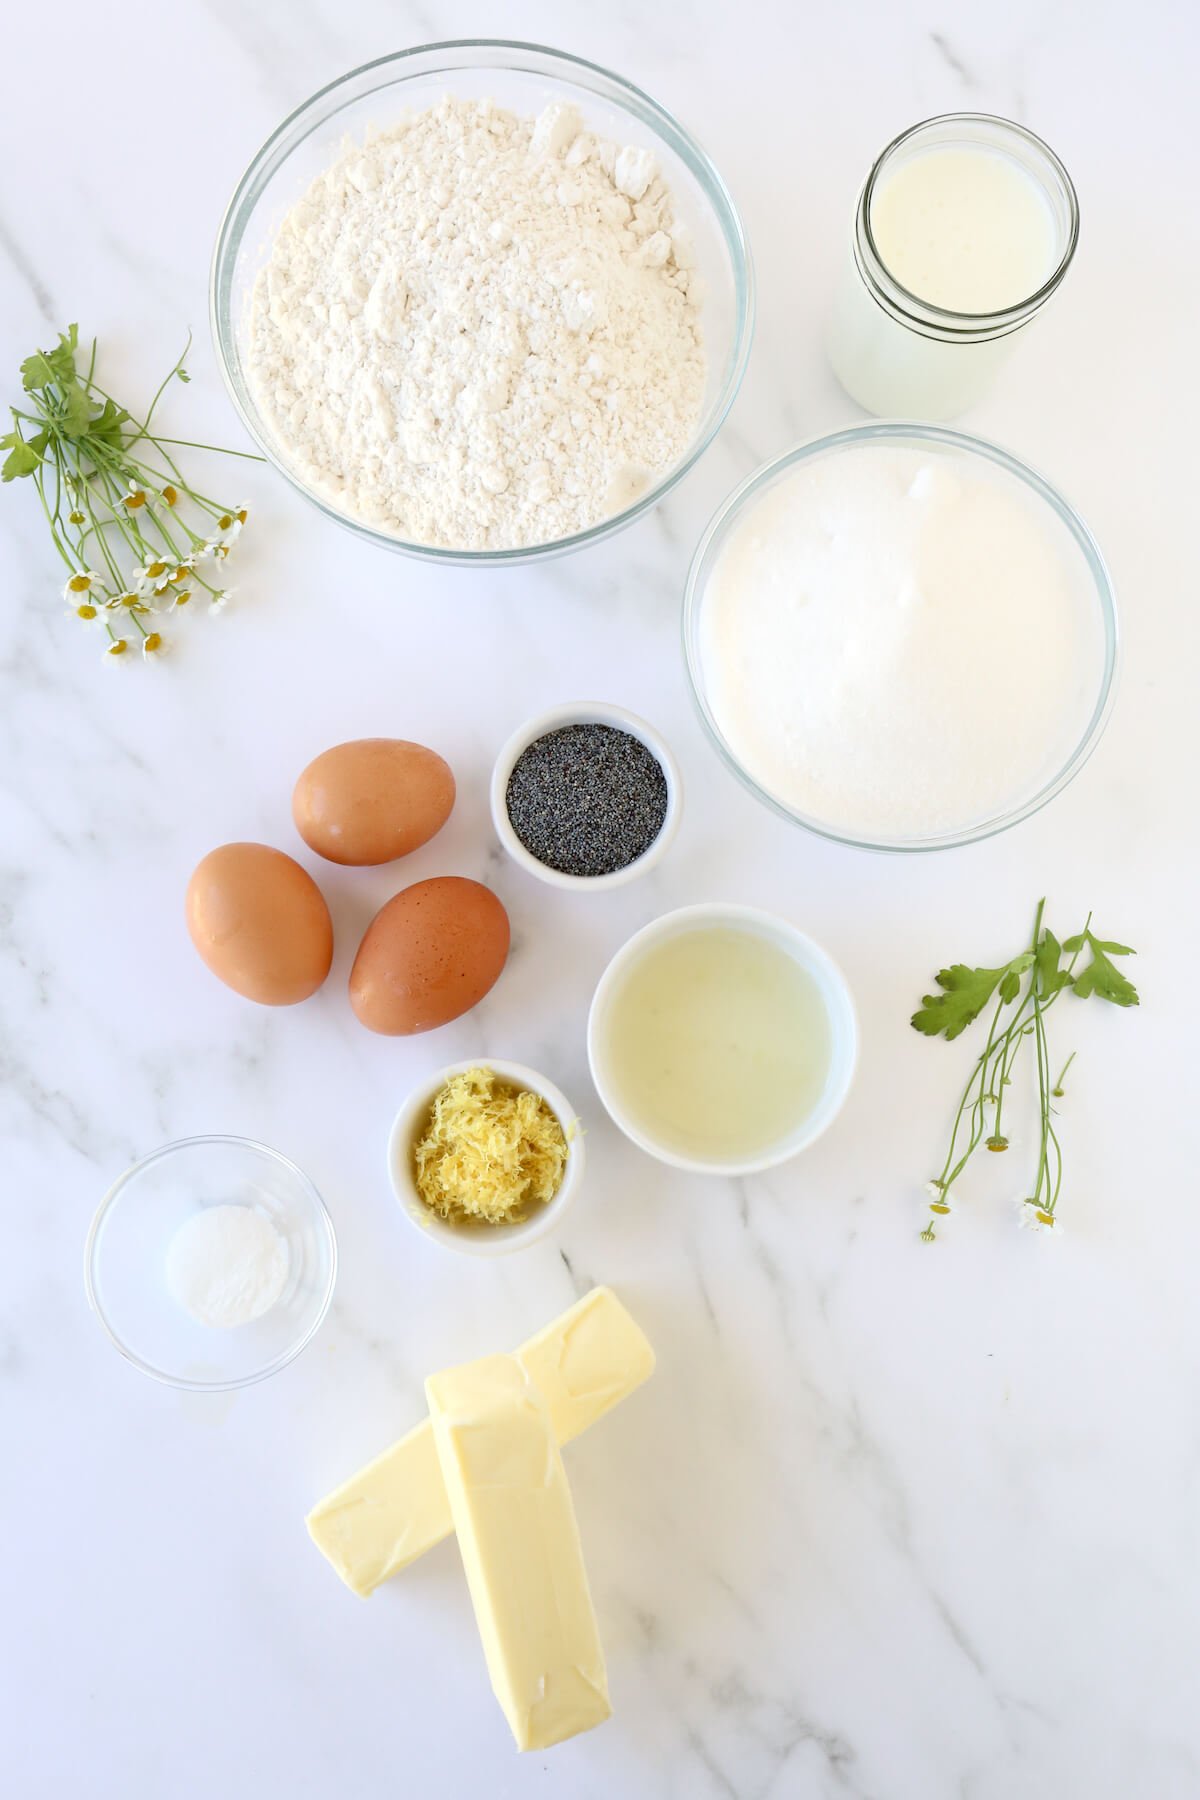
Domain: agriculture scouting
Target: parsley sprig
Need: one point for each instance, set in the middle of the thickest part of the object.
(1042, 973)
(138, 540)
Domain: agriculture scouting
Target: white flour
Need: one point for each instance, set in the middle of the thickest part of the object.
(481, 331)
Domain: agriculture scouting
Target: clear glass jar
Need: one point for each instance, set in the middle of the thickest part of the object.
(893, 352)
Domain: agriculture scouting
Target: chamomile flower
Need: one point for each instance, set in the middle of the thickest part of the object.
(220, 600)
(154, 647)
(222, 540)
(1033, 1217)
(136, 498)
(158, 600)
(116, 650)
(215, 549)
(182, 597)
(152, 577)
(939, 1197)
(170, 494)
(81, 585)
(92, 612)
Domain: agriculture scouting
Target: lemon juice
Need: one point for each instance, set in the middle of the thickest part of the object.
(718, 1043)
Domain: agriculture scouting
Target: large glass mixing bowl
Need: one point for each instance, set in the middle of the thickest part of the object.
(1077, 540)
(524, 78)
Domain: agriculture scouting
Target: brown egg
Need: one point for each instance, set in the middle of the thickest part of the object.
(261, 923)
(372, 800)
(429, 956)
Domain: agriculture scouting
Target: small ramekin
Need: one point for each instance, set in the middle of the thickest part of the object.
(839, 1007)
(585, 712)
(482, 1240)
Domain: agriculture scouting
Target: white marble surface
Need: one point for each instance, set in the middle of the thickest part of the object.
(889, 1522)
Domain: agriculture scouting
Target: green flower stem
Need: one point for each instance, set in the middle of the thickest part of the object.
(1057, 1089)
(950, 1175)
(51, 520)
(216, 449)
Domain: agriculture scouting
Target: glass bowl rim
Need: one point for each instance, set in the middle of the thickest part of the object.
(105, 1207)
(269, 157)
(883, 431)
(1018, 310)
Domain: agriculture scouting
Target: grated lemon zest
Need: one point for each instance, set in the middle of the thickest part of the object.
(490, 1153)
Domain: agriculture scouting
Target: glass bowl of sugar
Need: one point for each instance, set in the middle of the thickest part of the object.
(211, 1263)
(482, 302)
(901, 637)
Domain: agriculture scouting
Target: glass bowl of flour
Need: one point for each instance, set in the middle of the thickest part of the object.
(901, 637)
(482, 302)
(211, 1263)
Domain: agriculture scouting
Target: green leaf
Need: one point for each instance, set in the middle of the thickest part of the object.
(966, 993)
(182, 373)
(107, 425)
(37, 372)
(1081, 938)
(76, 418)
(45, 367)
(23, 458)
(1051, 979)
(1101, 977)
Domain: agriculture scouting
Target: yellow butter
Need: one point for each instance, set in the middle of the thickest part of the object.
(396, 1508)
(515, 1521)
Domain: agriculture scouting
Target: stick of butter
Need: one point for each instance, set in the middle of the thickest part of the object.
(396, 1508)
(520, 1547)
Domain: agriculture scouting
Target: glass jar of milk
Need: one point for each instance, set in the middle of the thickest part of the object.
(965, 227)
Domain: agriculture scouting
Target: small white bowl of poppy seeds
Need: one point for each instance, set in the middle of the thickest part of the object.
(586, 796)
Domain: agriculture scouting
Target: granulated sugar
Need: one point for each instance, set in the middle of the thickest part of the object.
(481, 331)
(900, 642)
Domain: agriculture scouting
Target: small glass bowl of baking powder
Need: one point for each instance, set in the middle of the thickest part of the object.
(525, 79)
(150, 1266)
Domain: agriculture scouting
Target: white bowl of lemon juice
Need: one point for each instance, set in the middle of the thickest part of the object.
(722, 1040)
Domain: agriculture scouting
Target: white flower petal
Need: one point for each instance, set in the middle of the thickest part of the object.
(90, 579)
